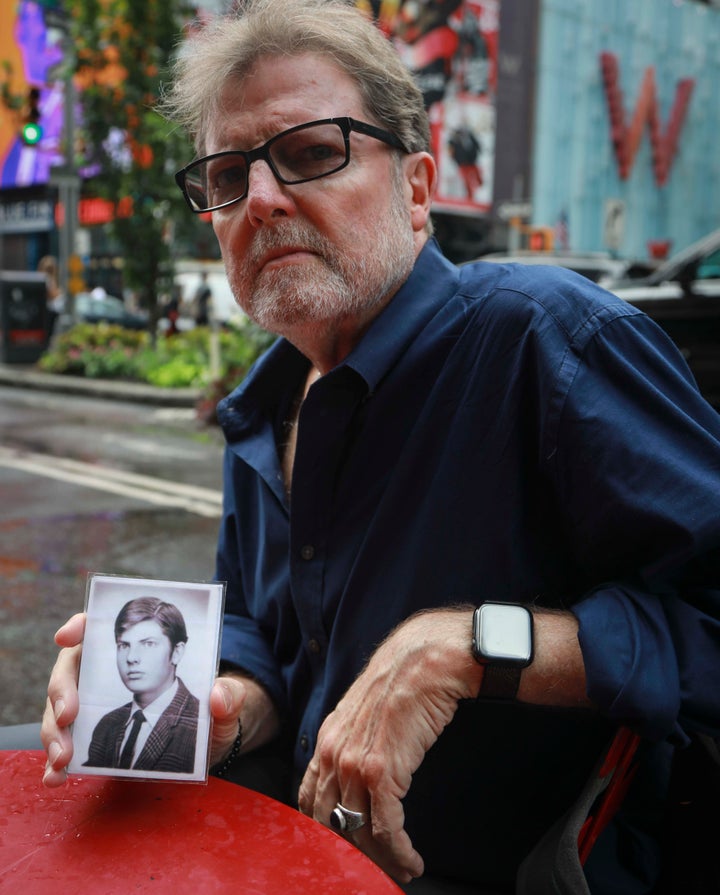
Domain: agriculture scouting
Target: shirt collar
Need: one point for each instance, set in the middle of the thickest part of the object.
(400, 322)
(381, 347)
(157, 706)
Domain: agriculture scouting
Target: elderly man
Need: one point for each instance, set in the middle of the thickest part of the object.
(470, 520)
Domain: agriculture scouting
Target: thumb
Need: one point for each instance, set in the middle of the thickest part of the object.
(226, 701)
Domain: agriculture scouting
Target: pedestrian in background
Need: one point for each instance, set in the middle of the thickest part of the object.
(55, 297)
(203, 301)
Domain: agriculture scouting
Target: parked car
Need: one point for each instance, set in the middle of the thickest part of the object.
(91, 308)
(600, 267)
(683, 296)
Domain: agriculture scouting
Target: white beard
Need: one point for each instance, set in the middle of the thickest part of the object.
(333, 285)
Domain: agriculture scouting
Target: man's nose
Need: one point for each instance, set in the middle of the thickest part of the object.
(267, 198)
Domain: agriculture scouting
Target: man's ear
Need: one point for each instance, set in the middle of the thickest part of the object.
(177, 653)
(421, 179)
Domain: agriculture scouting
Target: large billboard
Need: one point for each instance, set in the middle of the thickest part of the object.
(451, 46)
(32, 51)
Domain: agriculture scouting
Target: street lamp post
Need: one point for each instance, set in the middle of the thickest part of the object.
(65, 177)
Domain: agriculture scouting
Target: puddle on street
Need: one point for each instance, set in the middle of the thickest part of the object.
(44, 564)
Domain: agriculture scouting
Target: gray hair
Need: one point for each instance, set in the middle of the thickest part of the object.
(226, 49)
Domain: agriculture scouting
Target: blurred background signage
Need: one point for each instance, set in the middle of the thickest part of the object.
(27, 216)
(452, 48)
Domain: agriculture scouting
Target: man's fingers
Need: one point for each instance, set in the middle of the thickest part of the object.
(62, 688)
(62, 703)
(57, 757)
(72, 632)
(61, 710)
(308, 788)
(382, 838)
(58, 745)
(53, 778)
(387, 821)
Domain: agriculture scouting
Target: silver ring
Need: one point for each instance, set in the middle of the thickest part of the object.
(345, 821)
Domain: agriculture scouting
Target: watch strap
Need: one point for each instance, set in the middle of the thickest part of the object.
(500, 681)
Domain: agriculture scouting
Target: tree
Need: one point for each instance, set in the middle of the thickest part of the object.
(122, 50)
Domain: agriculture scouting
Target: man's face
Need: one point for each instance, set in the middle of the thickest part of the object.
(321, 252)
(146, 661)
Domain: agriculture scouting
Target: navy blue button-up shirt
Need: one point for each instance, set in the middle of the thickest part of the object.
(502, 433)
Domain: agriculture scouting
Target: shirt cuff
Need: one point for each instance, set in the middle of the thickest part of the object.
(630, 661)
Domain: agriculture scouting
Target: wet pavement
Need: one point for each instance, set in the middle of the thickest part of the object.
(44, 566)
(55, 531)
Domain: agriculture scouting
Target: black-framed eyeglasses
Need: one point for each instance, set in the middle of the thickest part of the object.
(301, 153)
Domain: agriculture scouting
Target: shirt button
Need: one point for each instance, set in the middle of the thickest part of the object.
(307, 552)
(304, 742)
(314, 646)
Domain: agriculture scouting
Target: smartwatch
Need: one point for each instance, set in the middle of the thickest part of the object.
(502, 641)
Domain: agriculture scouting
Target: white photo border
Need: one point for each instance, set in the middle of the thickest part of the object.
(100, 687)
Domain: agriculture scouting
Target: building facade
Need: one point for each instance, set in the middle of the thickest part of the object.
(593, 122)
(627, 121)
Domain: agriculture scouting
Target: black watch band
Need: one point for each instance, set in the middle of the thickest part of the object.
(500, 682)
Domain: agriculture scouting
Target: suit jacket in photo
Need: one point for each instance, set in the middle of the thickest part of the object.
(170, 746)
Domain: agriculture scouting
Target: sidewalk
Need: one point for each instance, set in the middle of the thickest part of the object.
(28, 377)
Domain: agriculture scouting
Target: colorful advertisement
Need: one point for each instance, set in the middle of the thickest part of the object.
(32, 50)
(451, 47)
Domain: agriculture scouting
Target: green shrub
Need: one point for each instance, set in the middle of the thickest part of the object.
(178, 373)
(95, 350)
(103, 351)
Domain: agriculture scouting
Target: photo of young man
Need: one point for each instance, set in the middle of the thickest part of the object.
(157, 729)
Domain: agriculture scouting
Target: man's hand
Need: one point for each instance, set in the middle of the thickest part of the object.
(229, 697)
(62, 702)
(232, 695)
(377, 737)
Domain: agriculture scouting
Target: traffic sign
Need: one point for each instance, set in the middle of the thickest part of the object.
(76, 283)
(514, 209)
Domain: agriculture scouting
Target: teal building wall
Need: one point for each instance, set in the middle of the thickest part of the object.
(574, 170)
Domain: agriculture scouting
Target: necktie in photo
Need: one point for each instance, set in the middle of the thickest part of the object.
(126, 756)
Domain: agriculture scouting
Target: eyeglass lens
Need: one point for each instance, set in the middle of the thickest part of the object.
(297, 156)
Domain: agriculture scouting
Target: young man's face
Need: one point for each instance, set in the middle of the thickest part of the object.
(146, 661)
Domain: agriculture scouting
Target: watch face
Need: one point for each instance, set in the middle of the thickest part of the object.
(503, 633)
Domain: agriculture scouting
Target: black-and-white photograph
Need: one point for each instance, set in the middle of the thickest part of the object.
(149, 659)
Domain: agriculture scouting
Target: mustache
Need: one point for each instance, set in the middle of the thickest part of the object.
(293, 234)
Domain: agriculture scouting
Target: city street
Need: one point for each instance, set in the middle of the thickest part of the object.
(91, 485)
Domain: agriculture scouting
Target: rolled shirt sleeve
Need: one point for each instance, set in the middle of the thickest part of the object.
(643, 448)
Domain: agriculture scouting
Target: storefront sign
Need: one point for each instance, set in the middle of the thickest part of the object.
(29, 216)
(626, 136)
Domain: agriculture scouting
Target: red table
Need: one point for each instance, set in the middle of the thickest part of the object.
(100, 837)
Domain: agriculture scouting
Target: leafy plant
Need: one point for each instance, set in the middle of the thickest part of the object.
(105, 351)
(122, 53)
